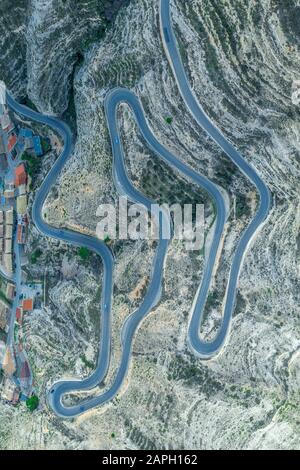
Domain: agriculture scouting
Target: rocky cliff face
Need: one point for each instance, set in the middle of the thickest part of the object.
(12, 44)
(242, 58)
(57, 33)
(43, 41)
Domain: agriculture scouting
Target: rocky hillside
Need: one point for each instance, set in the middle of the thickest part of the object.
(242, 58)
(43, 41)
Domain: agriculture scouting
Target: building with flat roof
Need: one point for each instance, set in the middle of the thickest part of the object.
(9, 364)
(21, 233)
(25, 378)
(21, 204)
(25, 133)
(20, 175)
(12, 140)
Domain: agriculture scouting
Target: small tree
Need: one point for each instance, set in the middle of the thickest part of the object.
(32, 403)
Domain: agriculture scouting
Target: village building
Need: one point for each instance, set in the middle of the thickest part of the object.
(7, 261)
(27, 305)
(10, 291)
(2, 146)
(8, 245)
(12, 140)
(2, 352)
(3, 315)
(22, 189)
(9, 216)
(9, 193)
(20, 175)
(21, 204)
(9, 391)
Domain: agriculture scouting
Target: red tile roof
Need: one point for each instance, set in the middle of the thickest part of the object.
(12, 140)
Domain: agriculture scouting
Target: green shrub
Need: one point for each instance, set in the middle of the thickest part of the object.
(32, 403)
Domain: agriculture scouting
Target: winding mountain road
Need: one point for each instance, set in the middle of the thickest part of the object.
(208, 349)
(203, 349)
